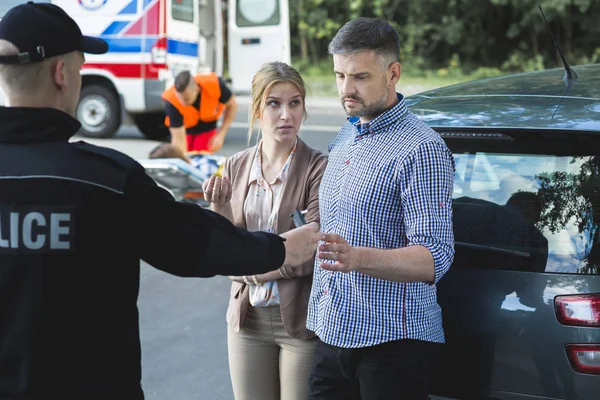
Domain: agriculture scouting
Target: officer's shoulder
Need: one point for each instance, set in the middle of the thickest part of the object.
(107, 155)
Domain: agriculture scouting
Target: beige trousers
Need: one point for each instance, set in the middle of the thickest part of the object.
(265, 363)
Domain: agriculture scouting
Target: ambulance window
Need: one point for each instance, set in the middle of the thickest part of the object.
(183, 10)
(6, 5)
(257, 13)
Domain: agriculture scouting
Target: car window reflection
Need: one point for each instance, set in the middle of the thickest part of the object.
(527, 212)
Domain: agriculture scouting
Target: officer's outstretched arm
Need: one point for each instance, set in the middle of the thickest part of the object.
(186, 240)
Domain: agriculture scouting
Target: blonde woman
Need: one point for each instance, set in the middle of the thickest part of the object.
(270, 349)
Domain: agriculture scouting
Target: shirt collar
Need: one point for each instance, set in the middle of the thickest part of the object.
(381, 122)
(256, 174)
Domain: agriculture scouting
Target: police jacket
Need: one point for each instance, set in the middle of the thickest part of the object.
(75, 220)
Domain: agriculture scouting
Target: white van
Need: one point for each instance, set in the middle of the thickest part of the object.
(258, 31)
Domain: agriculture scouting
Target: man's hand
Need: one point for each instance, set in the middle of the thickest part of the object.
(215, 143)
(179, 138)
(301, 244)
(337, 249)
(217, 190)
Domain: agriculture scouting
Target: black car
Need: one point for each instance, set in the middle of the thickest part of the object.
(521, 303)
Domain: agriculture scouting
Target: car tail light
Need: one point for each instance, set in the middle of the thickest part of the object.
(578, 310)
(159, 54)
(584, 358)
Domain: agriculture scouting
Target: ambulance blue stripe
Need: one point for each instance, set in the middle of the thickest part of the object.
(144, 45)
(115, 27)
(129, 45)
(183, 48)
(130, 8)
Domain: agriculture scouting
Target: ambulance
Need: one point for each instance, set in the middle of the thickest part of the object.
(150, 41)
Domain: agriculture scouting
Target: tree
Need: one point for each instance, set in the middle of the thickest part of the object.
(568, 196)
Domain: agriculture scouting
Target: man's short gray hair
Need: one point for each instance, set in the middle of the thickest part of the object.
(20, 78)
(368, 34)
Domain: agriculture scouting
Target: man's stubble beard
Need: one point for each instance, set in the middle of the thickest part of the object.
(370, 111)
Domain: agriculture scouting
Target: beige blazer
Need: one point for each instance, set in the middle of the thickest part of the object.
(300, 192)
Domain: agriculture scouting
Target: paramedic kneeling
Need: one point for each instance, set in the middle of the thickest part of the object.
(75, 221)
(193, 106)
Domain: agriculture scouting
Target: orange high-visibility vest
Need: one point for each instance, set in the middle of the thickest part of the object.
(210, 107)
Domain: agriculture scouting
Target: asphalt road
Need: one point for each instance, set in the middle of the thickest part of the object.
(182, 321)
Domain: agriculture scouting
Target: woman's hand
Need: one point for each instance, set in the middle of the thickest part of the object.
(217, 190)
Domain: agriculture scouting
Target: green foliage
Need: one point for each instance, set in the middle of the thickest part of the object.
(486, 72)
(519, 61)
(322, 68)
(451, 38)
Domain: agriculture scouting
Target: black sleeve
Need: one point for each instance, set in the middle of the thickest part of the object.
(187, 240)
(175, 117)
(225, 92)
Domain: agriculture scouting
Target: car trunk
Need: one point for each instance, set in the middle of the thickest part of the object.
(526, 215)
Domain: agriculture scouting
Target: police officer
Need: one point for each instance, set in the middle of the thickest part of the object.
(76, 219)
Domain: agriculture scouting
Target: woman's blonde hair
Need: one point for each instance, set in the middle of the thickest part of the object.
(268, 75)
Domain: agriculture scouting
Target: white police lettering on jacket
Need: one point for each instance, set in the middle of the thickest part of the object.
(31, 230)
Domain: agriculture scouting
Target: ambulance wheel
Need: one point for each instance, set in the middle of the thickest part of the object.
(98, 112)
(152, 125)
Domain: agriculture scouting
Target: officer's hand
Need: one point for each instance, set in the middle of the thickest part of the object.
(301, 244)
(217, 189)
(238, 279)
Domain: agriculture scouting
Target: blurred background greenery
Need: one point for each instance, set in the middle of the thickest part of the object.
(450, 41)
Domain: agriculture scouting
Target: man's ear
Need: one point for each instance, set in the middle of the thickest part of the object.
(59, 76)
(394, 72)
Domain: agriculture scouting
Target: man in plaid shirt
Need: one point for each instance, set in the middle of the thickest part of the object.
(386, 212)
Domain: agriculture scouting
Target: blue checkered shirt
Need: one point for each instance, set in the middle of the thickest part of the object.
(388, 184)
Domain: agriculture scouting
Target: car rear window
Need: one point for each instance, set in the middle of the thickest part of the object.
(527, 212)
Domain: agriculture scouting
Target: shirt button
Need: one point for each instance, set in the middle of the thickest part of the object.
(324, 291)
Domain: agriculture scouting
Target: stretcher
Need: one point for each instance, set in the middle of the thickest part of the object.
(182, 179)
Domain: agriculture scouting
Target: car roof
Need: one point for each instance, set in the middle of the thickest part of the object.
(524, 100)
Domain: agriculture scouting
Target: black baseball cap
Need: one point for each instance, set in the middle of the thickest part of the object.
(43, 30)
